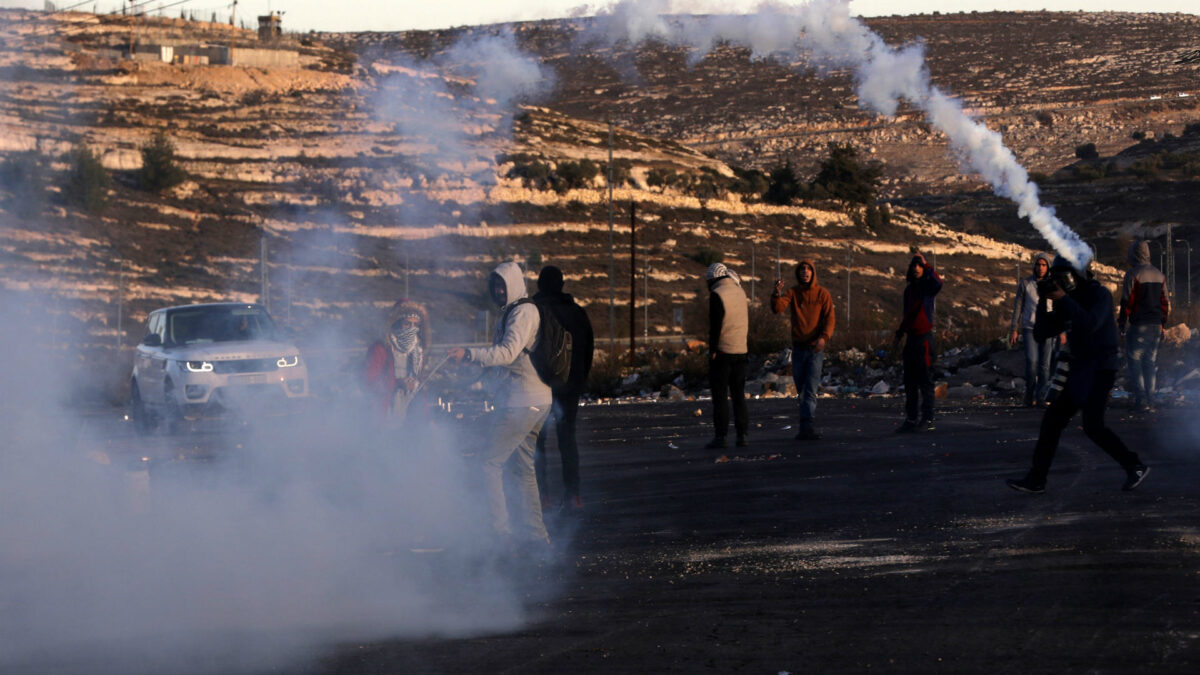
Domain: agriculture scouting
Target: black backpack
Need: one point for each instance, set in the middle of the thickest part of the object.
(551, 356)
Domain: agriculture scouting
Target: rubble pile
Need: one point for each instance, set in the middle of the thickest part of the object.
(985, 373)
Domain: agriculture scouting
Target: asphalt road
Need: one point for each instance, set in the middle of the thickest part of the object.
(864, 551)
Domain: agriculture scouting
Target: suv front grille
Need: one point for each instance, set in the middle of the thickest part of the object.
(246, 366)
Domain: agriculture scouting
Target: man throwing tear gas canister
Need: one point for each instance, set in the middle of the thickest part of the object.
(1084, 309)
(522, 404)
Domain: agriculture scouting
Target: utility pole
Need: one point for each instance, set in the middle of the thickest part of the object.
(752, 272)
(264, 289)
(847, 286)
(120, 304)
(131, 20)
(632, 281)
(646, 298)
(612, 264)
(1170, 271)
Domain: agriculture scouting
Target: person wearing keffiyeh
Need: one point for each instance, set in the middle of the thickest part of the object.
(394, 361)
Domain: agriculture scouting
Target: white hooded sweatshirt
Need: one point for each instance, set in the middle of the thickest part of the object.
(511, 375)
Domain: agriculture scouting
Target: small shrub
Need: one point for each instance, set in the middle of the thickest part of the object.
(533, 173)
(160, 170)
(254, 97)
(707, 256)
(621, 169)
(875, 218)
(88, 181)
(661, 178)
(1138, 135)
(769, 332)
(1089, 172)
(1087, 151)
(24, 176)
(750, 182)
(843, 177)
(573, 175)
(1147, 168)
(783, 187)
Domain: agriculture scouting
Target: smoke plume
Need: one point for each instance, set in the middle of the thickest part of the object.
(824, 32)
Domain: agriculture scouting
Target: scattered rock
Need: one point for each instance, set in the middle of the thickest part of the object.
(1177, 335)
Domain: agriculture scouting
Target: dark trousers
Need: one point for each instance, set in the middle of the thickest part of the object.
(727, 378)
(918, 376)
(563, 414)
(1060, 413)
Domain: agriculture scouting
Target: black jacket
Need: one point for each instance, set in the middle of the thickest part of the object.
(1087, 317)
(575, 321)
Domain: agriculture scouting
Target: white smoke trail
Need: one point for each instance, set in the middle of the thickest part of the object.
(825, 32)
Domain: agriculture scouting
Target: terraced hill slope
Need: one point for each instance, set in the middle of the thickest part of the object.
(358, 204)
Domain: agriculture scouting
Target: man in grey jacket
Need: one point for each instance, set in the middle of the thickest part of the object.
(1038, 353)
(522, 403)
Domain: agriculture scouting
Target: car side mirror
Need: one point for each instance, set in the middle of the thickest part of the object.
(152, 340)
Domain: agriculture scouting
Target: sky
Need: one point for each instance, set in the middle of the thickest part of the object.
(354, 15)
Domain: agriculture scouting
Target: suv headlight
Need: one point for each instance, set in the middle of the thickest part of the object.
(288, 361)
(199, 366)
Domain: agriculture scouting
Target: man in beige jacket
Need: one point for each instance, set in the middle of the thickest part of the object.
(729, 325)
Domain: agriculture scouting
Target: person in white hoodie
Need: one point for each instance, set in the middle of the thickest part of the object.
(522, 404)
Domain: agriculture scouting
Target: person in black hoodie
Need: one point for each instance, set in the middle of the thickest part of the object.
(575, 321)
(1084, 309)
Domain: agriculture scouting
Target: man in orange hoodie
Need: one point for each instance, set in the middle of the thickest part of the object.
(810, 308)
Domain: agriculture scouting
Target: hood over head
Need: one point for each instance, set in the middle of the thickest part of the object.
(800, 268)
(514, 280)
(1139, 253)
(1040, 256)
(550, 280)
(917, 259)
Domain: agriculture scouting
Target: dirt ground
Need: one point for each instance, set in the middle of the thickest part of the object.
(864, 551)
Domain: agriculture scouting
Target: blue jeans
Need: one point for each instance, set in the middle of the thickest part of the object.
(1141, 351)
(806, 372)
(513, 435)
(1037, 366)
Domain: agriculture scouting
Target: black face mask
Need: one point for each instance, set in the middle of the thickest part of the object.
(1057, 278)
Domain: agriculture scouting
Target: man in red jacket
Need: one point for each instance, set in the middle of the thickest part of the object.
(810, 308)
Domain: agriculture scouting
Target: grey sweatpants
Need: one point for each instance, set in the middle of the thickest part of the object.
(514, 435)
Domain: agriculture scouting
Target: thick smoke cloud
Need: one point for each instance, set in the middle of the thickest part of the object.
(824, 32)
(273, 545)
(253, 550)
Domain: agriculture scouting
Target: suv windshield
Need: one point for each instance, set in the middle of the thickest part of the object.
(198, 325)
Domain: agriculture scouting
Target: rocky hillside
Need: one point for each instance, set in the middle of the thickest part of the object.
(369, 174)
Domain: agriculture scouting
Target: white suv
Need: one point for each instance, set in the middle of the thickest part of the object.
(203, 360)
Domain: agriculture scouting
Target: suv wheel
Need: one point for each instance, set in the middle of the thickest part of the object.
(143, 423)
(172, 414)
